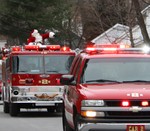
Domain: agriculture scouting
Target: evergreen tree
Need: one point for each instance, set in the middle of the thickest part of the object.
(19, 17)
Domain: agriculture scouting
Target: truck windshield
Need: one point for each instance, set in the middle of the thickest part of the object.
(58, 64)
(39, 64)
(100, 70)
(27, 64)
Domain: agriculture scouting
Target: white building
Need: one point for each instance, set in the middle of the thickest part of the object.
(112, 35)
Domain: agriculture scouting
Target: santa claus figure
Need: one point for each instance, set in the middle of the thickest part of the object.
(37, 39)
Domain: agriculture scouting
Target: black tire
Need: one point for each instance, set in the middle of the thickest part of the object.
(59, 110)
(14, 109)
(77, 123)
(6, 107)
(66, 126)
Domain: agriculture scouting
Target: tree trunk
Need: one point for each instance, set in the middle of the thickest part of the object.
(141, 22)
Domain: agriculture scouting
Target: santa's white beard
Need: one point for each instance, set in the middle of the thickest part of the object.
(38, 38)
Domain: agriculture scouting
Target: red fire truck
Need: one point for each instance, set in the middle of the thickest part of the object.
(31, 77)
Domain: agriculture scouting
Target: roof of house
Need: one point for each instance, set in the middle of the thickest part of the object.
(111, 35)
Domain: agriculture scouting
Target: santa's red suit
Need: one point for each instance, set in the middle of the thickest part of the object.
(37, 38)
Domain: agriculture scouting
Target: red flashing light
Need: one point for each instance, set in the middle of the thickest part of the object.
(16, 48)
(53, 47)
(65, 48)
(125, 103)
(103, 48)
(91, 50)
(145, 103)
(31, 47)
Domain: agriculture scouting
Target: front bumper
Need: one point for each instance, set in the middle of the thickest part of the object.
(31, 101)
(38, 104)
(111, 126)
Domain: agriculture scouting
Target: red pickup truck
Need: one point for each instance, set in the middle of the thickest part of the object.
(107, 89)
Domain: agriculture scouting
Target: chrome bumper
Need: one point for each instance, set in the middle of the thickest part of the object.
(110, 126)
(38, 103)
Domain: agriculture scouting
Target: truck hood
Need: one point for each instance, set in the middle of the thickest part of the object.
(116, 91)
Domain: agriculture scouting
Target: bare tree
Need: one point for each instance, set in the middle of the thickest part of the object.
(130, 21)
(96, 16)
(141, 22)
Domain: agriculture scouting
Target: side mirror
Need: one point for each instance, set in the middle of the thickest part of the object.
(66, 79)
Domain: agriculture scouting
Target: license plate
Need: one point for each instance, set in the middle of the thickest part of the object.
(135, 128)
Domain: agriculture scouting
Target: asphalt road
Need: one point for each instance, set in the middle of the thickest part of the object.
(31, 120)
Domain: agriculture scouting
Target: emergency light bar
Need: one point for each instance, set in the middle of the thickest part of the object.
(111, 46)
(113, 49)
(42, 47)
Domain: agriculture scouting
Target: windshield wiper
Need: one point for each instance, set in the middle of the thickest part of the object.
(102, 80)
(23, 71)
(52, 71)
(135, 81)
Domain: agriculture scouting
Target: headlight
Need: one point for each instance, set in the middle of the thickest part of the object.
(21, 91)
(92, 103)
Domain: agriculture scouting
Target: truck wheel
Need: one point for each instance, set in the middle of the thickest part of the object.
(6, 107)
(59, 110)
(14, 109)
(66, 126)
(77, 123)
